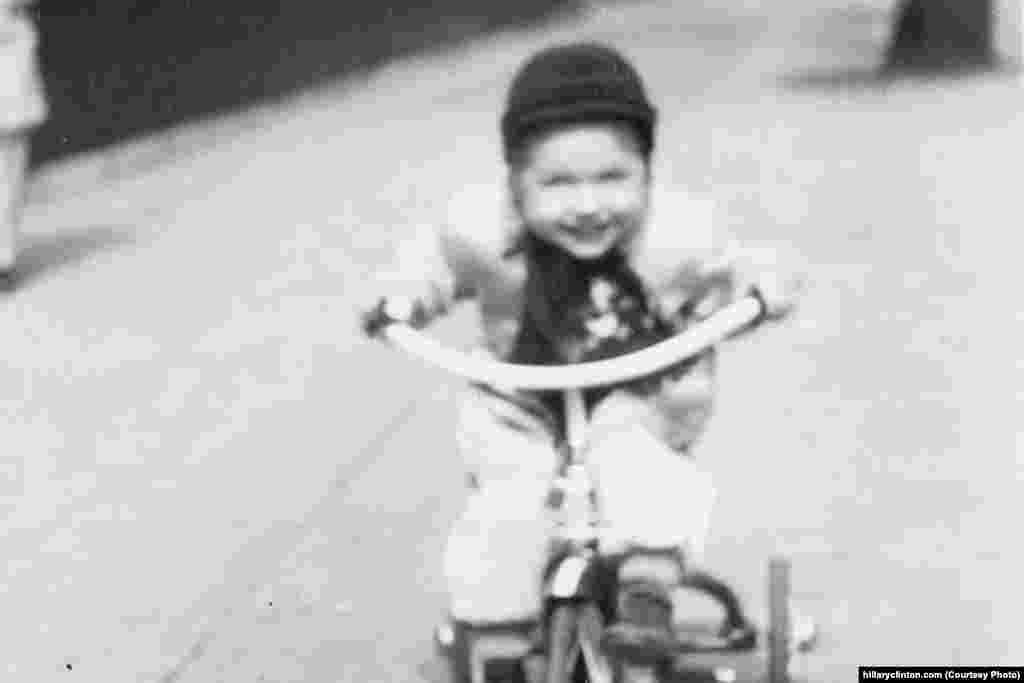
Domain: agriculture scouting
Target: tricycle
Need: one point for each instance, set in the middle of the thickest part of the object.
(566, 644)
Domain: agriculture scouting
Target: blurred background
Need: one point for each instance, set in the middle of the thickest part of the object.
(119, 68)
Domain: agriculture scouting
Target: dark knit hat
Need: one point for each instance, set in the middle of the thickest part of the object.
(575, 83)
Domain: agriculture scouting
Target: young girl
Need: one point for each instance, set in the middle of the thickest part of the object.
(22, 108)
(586, 265)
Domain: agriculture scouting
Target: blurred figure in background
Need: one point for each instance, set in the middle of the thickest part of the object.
(22, 108)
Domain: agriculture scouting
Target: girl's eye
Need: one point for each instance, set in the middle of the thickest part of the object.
(612, 176)
(557, 181)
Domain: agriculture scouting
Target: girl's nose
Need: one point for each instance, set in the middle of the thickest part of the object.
(588, 203)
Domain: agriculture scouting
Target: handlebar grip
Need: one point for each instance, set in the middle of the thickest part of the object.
(376, 320)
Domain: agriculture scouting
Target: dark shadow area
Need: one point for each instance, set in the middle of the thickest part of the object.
(41, 256)
(116, 69)
(827, 79)
(940, 34)
(882, 77)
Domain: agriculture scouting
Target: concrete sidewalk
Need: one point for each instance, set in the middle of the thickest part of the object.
(212, 478)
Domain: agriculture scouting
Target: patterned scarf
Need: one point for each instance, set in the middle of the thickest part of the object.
(578, 311)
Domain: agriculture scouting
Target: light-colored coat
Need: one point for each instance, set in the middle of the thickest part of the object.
(677, 254)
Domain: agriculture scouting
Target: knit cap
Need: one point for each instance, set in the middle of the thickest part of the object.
(576, 83)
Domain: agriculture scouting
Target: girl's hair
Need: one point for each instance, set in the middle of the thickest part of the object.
(556, 295)
(556, 300)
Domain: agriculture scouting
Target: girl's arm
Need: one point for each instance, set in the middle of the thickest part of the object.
(773, 270)
(426, 272)
(715, 269)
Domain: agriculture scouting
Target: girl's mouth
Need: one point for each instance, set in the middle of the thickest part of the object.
(589, 233)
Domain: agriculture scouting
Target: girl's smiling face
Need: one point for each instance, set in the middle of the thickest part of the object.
(583, 187)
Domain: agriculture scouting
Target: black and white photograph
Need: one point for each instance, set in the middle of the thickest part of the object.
(555, 341)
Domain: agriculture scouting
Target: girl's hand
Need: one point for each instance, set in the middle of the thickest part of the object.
(778, 277)
(390, 297)
(780, 292)
(392, 309)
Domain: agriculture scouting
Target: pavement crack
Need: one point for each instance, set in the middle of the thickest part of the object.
(194, 654)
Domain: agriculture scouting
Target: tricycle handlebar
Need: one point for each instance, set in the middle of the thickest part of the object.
(723, 324)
